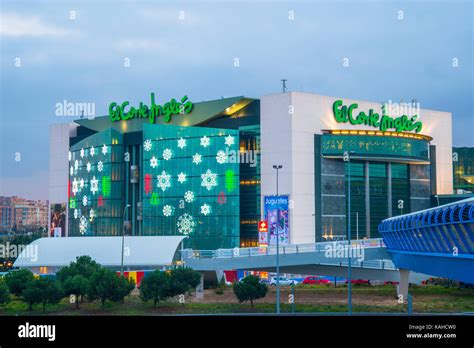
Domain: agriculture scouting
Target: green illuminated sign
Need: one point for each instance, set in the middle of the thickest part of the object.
(344, 114)
(121, 112)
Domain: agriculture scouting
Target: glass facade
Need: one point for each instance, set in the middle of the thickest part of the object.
(191, 184)
(463, 168)
(96, 181)
(250, 201)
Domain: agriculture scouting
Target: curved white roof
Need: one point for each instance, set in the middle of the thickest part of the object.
(138, 251)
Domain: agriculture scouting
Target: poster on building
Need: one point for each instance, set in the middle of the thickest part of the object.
(57, 227)
(276, 215)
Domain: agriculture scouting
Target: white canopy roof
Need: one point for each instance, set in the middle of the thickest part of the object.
(138, 251)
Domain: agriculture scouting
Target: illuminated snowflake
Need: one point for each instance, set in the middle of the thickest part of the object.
(153, 162)
(104, 149)
(84, 201)
(167, 154)
(92, 151)
(69, 156)
(83, 225)
(205, 209)
(100, 166)
(147, 145)
(82, 153)
(81, 183)
(167, 210)
(186, 224)
(94, 185)
(189, 196)
(209, 179)
(76, 165)
(164, 181)
(71, 171)
(181, 143)
(76, 213)
(88, 167)
(75, 186)
(229, 140)
(197, 158)
(205, 141)
(181, 177)
(221, 157)
(92, 214)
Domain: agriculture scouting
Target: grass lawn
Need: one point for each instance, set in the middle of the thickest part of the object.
(308, 299)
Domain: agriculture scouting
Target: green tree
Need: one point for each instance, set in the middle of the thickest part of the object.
(75, 278)
(76, 285)
(33, 293)
(183, 279)
(107, 285)
(4, 292)
(250, 288)
(155, 287)
(52, 292)
(17, 281)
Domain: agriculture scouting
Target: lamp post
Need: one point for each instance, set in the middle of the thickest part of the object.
(347, 158)
(277, 167)
(123, 237)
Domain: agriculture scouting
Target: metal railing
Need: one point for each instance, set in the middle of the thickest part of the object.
(272, 250)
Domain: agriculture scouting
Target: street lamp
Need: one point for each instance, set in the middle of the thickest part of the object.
(277, 167)
(347, 158)
(123, 236)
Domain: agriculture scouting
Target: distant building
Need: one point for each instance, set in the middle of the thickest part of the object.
(21, 214)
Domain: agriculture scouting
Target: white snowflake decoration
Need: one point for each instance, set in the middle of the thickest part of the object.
(186, 224)
(167, 154)
(153, 162)
(71, 171)
(82, 153)
(167, 210)
(181, 178)
(92, 214)
(181, 143)
(84, 201)
(100, 166)
(92, 151)
(205, 209)
(209, 179)
(81, 183)
(83, 225)
(164, 181)
(221, 157)
(229, 140)
(189, 196)
(75, 186)
(94, 185)
(76, 214)
(76, 165)
(197, 158)
(88, 167)
(147, 145)
(205, 141)
(69, 156)
(104, 149)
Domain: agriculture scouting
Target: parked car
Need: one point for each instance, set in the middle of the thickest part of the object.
(315, 280)
(359, 281)
(390, 282)
(283, 281)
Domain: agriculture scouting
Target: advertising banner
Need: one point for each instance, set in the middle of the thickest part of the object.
(57, 226)
(276, 215)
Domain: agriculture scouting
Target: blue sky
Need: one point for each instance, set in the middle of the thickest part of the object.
(82, 60)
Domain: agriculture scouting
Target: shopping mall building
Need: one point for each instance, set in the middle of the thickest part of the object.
(205, 170)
